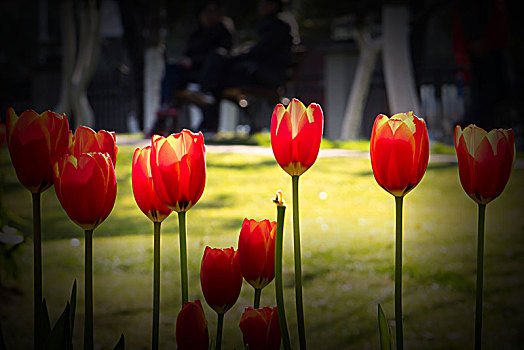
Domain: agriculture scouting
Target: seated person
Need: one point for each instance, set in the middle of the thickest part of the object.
(263, 64)
(213, 34)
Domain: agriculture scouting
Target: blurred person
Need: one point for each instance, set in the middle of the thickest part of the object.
(214, 33)
(480, 42)
(262, 64)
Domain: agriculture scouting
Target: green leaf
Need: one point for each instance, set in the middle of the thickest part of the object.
(44, 325)
(384, 330)
(121, 343)
(2, 342)
(61, 334)
(73, 308)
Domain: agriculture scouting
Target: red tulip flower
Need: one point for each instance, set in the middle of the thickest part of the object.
(485, 161)
(256, 252)
(399, 152)
(86, 140)
(220, 278)
(86, 187)
(191, 327)
(296, 133)
(35, 141)
(143, 188)
(260, 328)
(178, 165)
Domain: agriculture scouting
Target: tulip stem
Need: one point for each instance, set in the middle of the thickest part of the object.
(183, 255)
(220, 325)
(37, 269)
(298, 266)
(156, 283)
(258, 293)
(279, 286)
(480, 276)
(399, 333)
(88, 322)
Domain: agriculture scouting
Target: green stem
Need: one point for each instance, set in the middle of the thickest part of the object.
(156, 283)
(480, 276)
(183, 255)
(279, 286)
(298, 266)
(220, 325)
(37, 269)
(88, 323)
(258, 293)
(398, 274)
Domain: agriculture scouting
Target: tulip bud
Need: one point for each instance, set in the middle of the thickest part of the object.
(256, 251)
(220, 278)
(260, 328)
(178, 166)
(35, 141)
(86, 140)
(86, 187)
(191, 327)
(485, 161)
(296, 133)
(399, 150)
(143, 188)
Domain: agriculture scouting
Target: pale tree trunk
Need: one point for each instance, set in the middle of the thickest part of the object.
(79, 58)
(369, 49)
(68, 56)
(153, 73)
(398, 69)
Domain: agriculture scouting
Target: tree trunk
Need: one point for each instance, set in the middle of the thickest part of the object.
(68, 56)
(79, 59)
(153, 72)
(398, 69)
(86, 63)
(369, 50)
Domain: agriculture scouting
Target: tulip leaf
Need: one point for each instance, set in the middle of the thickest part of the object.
(121, 343)
(72, 302)
(44, 324)
(384, 330)
(60, 337)
(2, 342)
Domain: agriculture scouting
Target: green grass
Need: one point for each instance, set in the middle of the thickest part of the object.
(263, 139)
(347, 224)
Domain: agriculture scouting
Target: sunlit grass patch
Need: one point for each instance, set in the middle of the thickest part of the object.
(347, 244)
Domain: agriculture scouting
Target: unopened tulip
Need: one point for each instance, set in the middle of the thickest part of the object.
(399, 151)
(86, 187)
(256, 252)
(86, 140)
(296, 133)
(143, 188)
(260, 328)
(220, 278)
(191, 327)
(35, 141)
(485, 161)
(178, 165)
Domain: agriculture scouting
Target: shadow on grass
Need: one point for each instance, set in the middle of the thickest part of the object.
(219, 201)
(431, 166)
(249, 165)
